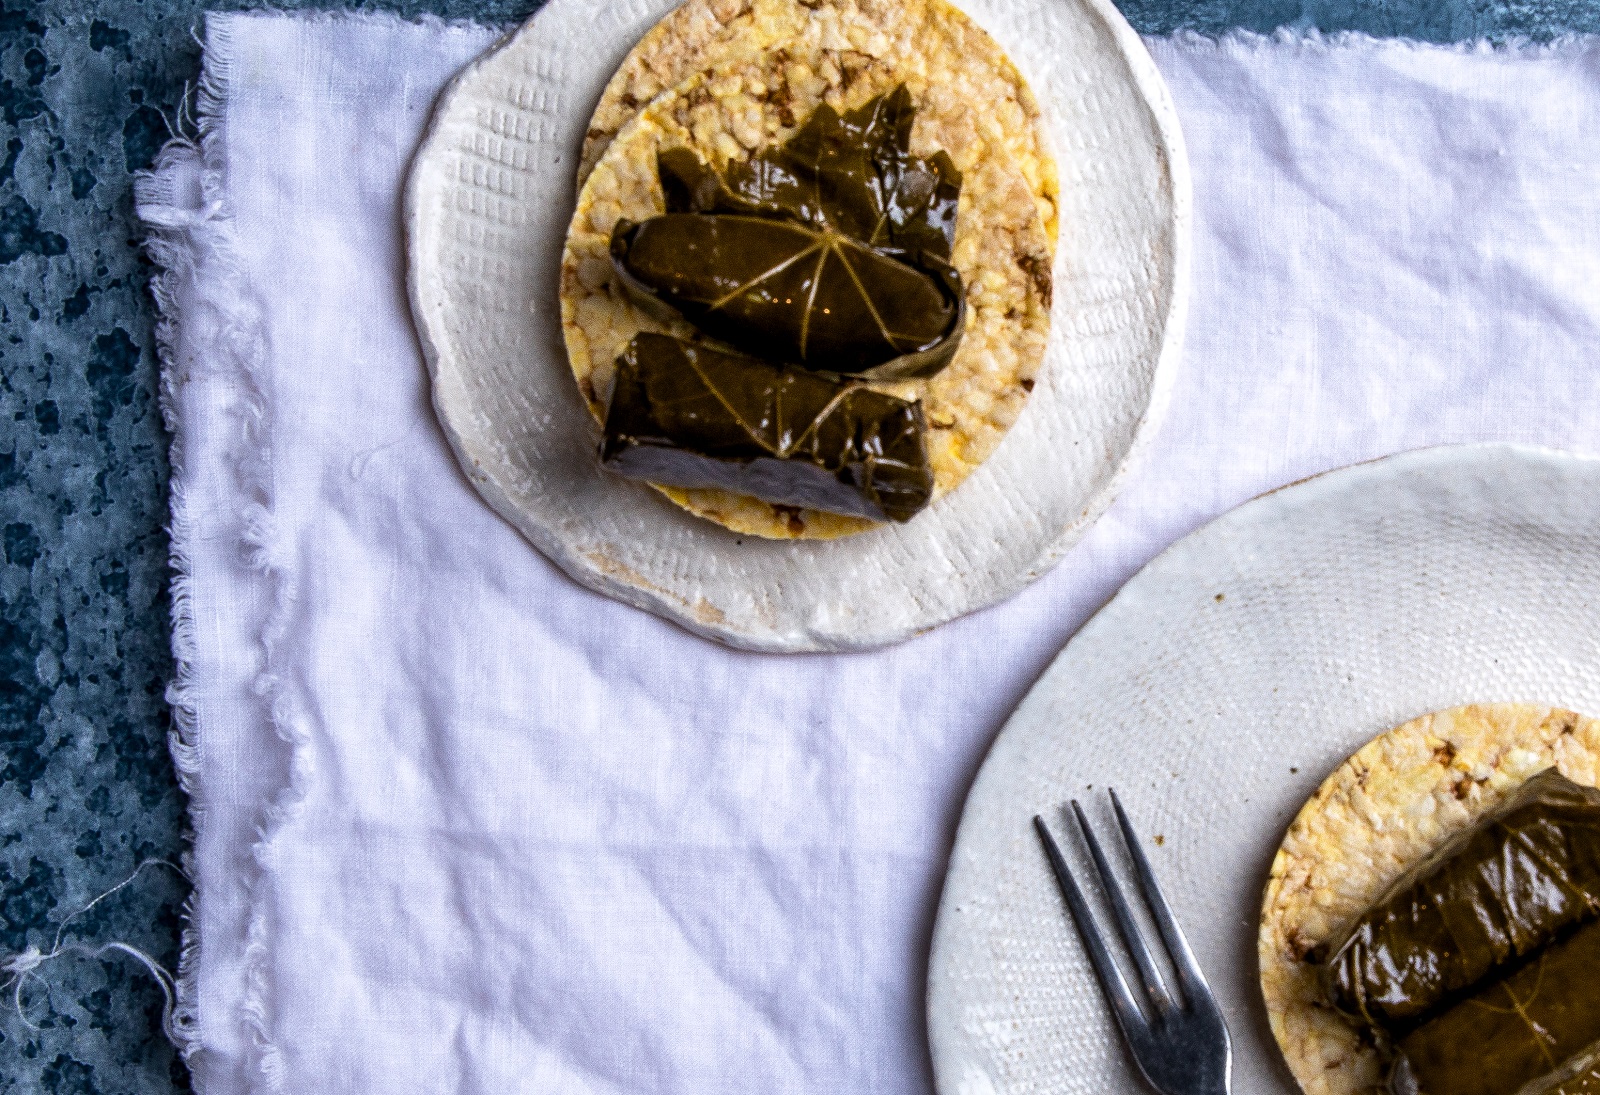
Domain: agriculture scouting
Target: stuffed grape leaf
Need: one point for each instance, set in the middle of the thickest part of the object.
(1534, 1031)
(1491, 896)
(830, 251)
(690, 416)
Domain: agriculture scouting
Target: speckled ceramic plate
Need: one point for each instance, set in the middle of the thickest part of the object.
(487, 208)
(1214, 693)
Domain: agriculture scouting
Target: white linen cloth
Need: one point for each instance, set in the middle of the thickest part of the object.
(463, 826)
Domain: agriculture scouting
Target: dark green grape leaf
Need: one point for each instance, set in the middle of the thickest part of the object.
(785, 292)
(1488, 898)
(852, 174)
(1534, 1030)
(830, 251)
(691, 416)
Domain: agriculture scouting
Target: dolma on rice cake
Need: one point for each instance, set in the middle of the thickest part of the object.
(1489, 896)
(971, 372)
(1387, 808)
(830, 250)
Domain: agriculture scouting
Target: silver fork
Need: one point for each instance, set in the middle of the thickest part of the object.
(1178, 1040)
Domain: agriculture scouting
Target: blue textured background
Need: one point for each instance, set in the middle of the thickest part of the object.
(86, 785)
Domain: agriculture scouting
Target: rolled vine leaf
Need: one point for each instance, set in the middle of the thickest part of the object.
(830, 251)
(1535, 1031)
(1485, 901)
(691, 416)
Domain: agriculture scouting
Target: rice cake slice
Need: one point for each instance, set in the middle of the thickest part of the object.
(916, 37)
(1001, 251)
(1381, 811)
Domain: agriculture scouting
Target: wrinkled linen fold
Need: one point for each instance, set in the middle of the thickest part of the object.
(464, 826)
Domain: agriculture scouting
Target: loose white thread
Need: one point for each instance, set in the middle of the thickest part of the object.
(24, 965)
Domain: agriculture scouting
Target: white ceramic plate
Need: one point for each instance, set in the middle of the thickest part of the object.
(489, 198)
(1214, 693)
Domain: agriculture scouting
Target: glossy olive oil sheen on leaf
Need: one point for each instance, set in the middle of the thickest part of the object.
(830, 251)
(1479, 969)
(691, 416)
(1490, 897)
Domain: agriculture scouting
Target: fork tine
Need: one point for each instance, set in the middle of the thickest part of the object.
(1183, 960)
(1106, 971)
(1132, 938)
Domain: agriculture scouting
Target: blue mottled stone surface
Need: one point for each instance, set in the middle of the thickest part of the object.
(86, 786)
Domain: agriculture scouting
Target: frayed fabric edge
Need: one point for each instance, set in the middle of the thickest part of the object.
(191, 243)
(369, 18)
(1308, 38)
(1313, 42)
(174, 258)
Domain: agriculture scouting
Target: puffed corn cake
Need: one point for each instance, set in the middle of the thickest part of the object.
(922, 39)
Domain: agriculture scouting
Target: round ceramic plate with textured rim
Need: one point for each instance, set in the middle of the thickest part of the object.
(1214, 693)
(490, 194)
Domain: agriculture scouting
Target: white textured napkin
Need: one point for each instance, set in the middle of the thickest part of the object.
(463, 826)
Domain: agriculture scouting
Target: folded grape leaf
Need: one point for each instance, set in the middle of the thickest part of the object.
(691, 416)
(853, 174)
(1489, 897)
(830, 251)
(1536, 1030)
